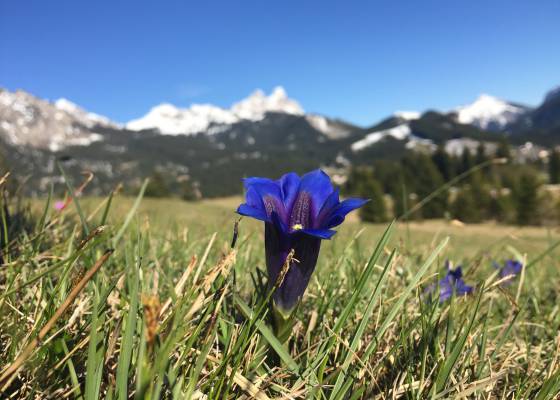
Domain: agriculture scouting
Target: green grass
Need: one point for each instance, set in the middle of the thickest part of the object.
(174, 313)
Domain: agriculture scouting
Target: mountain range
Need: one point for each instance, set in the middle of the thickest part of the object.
(212, 147)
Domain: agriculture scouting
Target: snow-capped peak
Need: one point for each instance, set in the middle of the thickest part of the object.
(172, 120)
(488, 112)
(408, 115)
(258, 104)
(87, 119)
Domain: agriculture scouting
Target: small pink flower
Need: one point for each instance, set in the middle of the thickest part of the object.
(59, 205)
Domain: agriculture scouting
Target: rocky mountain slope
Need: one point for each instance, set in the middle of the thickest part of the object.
(26, 120)
(213, 147)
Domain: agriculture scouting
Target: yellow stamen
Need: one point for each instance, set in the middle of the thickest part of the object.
(297, 227)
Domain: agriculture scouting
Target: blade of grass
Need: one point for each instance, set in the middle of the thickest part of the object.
(451, 360)
(74, 199)
(94, 363)
(130, 214)
(107, 208)
(128, 337)
(267, 333)
(361, 327)
(315, 370)
(403, 297)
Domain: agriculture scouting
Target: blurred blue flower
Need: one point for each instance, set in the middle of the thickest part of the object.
(452, 282)
(509, 270)
(298, 213)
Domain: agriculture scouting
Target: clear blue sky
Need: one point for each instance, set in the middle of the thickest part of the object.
(356, 60)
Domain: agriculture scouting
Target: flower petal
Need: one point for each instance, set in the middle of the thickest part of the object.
(339, 213)
(263, 187)
(265, 195)
(509, 270)
(450, 284)
(512, 267)
(456, 274)
(289, 186)
(462, 288)
(279, 224)
(319, 233)
(319, 187)
(330, 204)
(445, 289)
(257, 213)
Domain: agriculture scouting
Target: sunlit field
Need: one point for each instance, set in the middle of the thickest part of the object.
(172, 311)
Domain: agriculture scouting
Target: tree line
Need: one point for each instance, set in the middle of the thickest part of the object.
(505, 191)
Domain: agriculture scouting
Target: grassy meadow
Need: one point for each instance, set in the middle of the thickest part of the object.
(171, 311)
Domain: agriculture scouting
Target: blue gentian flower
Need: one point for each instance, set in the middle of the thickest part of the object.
(452, 282)
(298, 213)
(509, 270)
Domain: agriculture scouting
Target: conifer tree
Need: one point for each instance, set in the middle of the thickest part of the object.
(400, 197)
(480, 194)
(375, 210)
(357, 177)
(554, 167)
(526, 198)
(157, 187)
(503, 150)
(443, 162)
(481, 154)
(424, 178)
(502, 208)
(464, 207)
(467, 161)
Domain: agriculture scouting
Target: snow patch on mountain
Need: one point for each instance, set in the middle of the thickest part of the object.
(489, 113)
(88, 119)
(408, 115)
(456, 147)
(171, 120)
(331, 129)
(399, 132)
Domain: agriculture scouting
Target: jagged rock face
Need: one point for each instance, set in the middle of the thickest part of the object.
(26, 120)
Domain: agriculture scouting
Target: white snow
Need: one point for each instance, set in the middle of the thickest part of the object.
(415, 142)
(325, 126)
(456, 147)
(58, 143)
(399, 132)
(258, 104)
(87, 119)
(408, 115)
(488, 112)
(171, 120)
